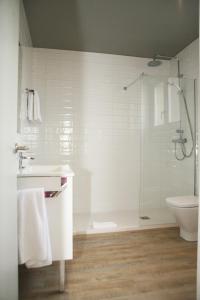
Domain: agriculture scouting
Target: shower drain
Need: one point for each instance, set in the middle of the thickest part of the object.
(145, 218)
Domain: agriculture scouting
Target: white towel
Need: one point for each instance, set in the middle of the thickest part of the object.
(33, 230)
(36, 112)
(24, 106)
(30, 106)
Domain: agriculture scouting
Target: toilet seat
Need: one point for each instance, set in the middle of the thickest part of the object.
(183, 201)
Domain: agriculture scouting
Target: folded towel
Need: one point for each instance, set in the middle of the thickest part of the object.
(36, 112)
(33, 230)
(30, 106)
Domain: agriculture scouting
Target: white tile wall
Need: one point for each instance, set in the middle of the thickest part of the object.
(90, 122)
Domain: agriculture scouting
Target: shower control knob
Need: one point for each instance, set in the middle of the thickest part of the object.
(179, 141)
(179, 130)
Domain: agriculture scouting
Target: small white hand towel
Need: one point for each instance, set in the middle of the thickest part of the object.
(33, 229)
(30, 106)
(36, 113)
(24, 106)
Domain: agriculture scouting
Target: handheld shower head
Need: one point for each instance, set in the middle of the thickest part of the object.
(176, 86)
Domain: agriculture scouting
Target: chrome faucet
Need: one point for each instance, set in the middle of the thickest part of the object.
(21, 158)
(180, 139)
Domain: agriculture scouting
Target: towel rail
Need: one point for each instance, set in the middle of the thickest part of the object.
(29, 90)
(53, 194)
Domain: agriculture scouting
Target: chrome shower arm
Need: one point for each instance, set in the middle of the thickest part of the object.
(133, 82)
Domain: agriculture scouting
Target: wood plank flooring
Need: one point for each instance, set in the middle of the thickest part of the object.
(151, 264)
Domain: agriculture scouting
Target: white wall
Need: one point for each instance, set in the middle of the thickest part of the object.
(90, 122)
(189, 58)
(198, 249)
(24, 34)
(9, 36)
(25, 63)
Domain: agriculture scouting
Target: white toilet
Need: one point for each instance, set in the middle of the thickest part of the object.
(185, 209)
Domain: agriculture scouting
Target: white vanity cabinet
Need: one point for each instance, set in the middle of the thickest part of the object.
(60, 218)
(57, 182)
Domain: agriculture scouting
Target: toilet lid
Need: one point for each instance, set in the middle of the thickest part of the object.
(183, 201)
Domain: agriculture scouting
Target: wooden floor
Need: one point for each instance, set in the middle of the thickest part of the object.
(141, 265)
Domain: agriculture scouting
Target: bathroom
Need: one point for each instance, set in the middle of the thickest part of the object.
(119, 106)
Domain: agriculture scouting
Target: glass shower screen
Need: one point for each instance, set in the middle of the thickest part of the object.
(165, 137)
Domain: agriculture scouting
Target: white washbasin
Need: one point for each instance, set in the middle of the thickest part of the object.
(46, 170)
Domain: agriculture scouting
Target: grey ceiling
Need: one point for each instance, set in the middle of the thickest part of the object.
(128, 27)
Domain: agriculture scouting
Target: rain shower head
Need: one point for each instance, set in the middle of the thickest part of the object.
(154, 63)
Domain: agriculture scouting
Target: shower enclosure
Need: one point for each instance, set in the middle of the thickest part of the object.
(168, 145)
(149, 155)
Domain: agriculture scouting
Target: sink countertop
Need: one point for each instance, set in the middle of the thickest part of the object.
(46, 171)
